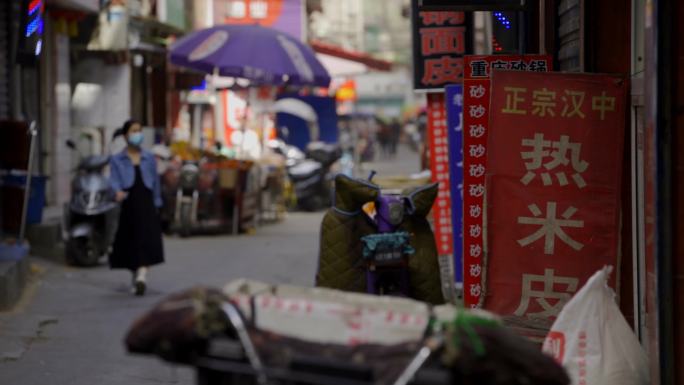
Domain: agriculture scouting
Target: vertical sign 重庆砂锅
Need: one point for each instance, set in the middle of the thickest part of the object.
(476, 89)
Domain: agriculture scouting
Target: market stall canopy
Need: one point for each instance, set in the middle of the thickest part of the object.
(262, 55)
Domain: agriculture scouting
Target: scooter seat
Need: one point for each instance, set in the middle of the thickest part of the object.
(304, 169)
(326, 154)
(94, 163)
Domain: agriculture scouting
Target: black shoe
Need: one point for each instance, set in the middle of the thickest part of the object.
(139, 288)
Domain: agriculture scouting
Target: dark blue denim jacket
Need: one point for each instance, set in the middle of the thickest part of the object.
(122, 173)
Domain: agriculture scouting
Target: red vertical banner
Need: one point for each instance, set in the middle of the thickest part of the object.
(476, 89)
(439, 165)
(553, 187)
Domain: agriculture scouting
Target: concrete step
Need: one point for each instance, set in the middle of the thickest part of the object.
(46, 240)
(13, 278)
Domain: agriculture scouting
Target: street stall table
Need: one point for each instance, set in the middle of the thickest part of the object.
(234, 187)
(209, 194)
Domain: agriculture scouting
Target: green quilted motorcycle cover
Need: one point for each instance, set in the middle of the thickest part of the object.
(341, 265)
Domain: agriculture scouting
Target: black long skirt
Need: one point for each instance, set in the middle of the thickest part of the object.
(138, 239)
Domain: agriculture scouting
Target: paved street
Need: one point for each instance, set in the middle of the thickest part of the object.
(70, 325)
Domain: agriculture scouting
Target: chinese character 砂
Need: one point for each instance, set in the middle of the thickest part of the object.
(443, 70)
(576, 100)
(537, 66)
(543, 102)
(448, 40)
(476, 170)
(518, 65)
(475, 270)
(476, 150)
(513, 99)
(477, 131)
(477, 111)
(475, 231)
(475, 251)
(603, 103)
(551, 227)
(475, 289)
(476, 190)
(475, 211)
(549, 293)
(477, 91)
(478, 68)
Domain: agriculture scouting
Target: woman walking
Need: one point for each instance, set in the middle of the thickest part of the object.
(134, 178)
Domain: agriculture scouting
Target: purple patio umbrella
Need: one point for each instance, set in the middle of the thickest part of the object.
(262, 55)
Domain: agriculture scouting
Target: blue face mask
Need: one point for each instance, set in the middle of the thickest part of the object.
(135, 139)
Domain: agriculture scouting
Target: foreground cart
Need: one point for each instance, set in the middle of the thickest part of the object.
(254, 333)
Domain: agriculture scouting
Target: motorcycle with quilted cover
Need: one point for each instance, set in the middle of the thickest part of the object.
(347, 232)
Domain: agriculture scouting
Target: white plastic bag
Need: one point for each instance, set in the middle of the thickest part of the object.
(594, 342)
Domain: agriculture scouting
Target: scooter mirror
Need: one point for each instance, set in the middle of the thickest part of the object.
(70, 143)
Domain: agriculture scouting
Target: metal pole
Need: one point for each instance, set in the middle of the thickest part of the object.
(32, 132)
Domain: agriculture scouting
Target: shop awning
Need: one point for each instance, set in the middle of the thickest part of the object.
(92, 6)
(340, 62)
(339, 67)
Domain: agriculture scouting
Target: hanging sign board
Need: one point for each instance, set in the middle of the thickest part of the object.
(554, 168)
(476, 128)
(454, 111)
(440, 39)
(469, 5)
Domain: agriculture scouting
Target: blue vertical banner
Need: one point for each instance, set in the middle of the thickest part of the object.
(454, 110)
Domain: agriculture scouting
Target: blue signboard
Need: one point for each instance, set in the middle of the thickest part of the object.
(454, 110)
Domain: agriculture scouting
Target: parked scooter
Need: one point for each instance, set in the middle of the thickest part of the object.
(386, 254)
(187, 198)
(91, 216)
(310, 172)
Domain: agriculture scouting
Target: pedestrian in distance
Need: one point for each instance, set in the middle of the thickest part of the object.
(394, 136)
(134, 178)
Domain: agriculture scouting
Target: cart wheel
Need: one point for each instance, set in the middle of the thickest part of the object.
(79, 252)
(185, 220)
